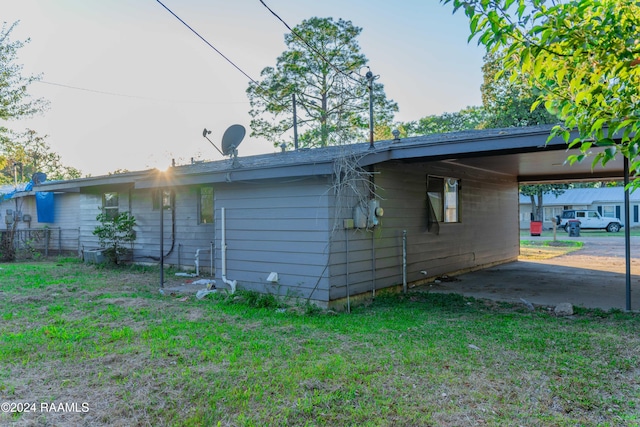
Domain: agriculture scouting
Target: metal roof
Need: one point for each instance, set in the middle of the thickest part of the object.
(585, 196)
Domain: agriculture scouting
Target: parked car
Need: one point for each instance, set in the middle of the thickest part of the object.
(589, 219)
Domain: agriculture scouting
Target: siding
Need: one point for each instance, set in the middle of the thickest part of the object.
(482, 236)
(276, 226)
(183, 236)
(64, 234)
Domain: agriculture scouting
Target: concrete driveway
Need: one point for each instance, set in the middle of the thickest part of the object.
(593, 277)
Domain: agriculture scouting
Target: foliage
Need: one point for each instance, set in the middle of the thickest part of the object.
(27, 153)
(7, 244)
(15, 101)
(508, 102)
(584, 59)
(468, 118)
(332, 98)
(116, 234)
(536, 193)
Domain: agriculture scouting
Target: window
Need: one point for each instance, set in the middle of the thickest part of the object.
(167, 199)
(609, 211)
(443, 199)
(206, 205)
(110, 205)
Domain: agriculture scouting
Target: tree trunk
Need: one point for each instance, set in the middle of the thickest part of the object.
(536, 207)
(540, 213)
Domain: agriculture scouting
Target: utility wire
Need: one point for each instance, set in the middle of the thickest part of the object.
(208, 44)
(316, 51)
(123, 95)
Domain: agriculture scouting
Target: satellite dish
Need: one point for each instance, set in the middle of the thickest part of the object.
(231, 139)
(38, 177)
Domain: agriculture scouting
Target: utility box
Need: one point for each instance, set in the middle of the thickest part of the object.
(359, 217)
(94, 256)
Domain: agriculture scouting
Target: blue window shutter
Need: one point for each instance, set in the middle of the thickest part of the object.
(618, 211)
(635, 213)
(600, 210)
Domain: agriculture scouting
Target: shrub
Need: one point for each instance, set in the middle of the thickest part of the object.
(116, 235)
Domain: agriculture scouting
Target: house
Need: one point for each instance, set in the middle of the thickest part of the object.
(609, 201)
(51, 228)
(331, 223)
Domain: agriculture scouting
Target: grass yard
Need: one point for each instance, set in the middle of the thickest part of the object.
(544, 249)
(116, 352)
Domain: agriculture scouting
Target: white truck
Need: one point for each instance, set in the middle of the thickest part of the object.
(589, 219)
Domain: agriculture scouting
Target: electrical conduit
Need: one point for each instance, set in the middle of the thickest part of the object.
(231, 283)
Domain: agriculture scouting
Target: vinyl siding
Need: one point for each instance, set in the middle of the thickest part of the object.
(64, 232)
(276, 226)
(485, 200)
(183, 236)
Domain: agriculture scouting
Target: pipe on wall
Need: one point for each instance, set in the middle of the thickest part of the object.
(404, 261)
(223, 234)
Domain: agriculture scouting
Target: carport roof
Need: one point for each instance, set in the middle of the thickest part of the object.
(523, 153)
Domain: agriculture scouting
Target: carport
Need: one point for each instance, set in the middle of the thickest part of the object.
(525, 154)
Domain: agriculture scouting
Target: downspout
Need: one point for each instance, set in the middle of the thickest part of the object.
(211, 260)
(231, 283)
(404, 261)
(346, 235)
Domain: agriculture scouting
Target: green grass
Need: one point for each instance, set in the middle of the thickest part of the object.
(561, 234)
(75, 333)
(545, 249)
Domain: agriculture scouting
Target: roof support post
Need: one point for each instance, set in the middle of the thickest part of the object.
(627, 234)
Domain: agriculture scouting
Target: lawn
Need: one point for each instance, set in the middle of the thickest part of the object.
(544, 249)
(116, 352)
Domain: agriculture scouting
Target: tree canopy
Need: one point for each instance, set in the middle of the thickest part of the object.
(507, 102)
(321, 67)
(583, 56)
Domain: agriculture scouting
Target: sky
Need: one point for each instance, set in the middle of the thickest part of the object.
(130, 87)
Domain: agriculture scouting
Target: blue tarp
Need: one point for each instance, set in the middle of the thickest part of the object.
(45, 206)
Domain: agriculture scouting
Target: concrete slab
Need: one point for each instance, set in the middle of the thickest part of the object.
(593, 277)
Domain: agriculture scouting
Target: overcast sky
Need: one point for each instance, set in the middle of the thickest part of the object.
(130, 87)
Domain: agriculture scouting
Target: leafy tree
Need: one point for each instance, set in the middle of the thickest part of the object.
(25, 152)
(583, 56)
(508, 101)
(536, 192)
(321, 68)
(466, 119)
(28, 153)
(15, 101)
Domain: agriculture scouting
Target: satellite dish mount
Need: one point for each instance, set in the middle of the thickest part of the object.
(231, 139)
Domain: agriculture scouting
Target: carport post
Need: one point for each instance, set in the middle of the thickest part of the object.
(627, 233)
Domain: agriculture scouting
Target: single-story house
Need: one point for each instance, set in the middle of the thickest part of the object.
(331, 223)
(609, 201)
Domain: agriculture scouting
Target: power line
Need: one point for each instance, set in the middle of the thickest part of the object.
(217, 51)
(122, 95)
(316, 51)
(207, 42)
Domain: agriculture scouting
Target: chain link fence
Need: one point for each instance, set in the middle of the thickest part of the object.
(29, 243)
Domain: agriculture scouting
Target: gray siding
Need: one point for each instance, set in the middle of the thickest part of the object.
(183, 236)
(276, 226)
(90, 205)
(480, 238)
(64, 234)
